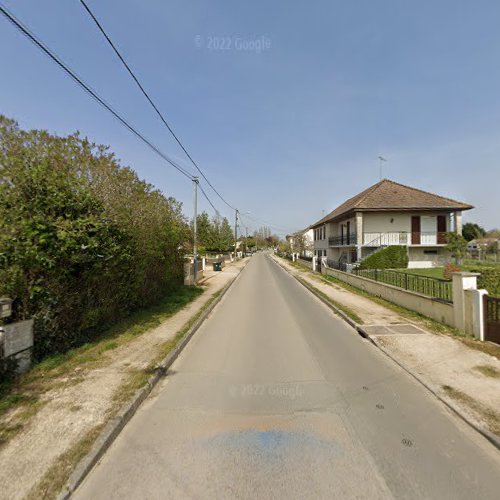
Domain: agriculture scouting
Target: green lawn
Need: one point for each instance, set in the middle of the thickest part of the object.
(434, 272)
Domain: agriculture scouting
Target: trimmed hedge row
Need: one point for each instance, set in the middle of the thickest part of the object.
(392, 257)
(489, 279)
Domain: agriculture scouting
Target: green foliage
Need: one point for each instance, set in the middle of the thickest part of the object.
(214, 235)
(392, 257)
(471, 231)
(489, 279)
(449, 269)
(83, 241)
(456, 245)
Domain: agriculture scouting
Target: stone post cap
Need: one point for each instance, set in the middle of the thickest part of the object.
(465, 274)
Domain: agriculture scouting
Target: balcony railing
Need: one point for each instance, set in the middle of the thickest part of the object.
(344, 240)
(391, 238)
(404, 238)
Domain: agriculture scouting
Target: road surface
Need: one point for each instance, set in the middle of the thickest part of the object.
(276, 397)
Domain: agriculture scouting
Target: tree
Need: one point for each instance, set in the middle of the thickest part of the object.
(204, 232)
(83, 240)
(471, 231)
(493, 233)
(457, 246)
(226, 236)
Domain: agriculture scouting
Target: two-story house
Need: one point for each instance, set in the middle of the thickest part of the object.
(389, 213)
(302, 242)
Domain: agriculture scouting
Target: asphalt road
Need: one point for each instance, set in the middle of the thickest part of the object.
(276, 397)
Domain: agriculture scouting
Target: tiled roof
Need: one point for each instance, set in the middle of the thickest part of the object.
(390, 195)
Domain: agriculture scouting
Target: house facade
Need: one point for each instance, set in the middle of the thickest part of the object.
(481, 246)
(302, 242)
(385, 214)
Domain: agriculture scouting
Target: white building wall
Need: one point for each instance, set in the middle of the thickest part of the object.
(386, 222)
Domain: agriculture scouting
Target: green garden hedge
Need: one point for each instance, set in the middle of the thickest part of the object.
(392, 257)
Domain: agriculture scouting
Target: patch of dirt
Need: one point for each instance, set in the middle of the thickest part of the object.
(73, 409)
(443, 361)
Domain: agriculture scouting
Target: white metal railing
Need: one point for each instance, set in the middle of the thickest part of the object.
(403, 238)
(385, 239)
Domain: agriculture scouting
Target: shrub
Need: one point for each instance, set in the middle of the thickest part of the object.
(392, 257)
(450, 268)
(83, 241)
(489, 279)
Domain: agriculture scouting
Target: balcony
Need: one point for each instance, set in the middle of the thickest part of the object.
(404, 238)
(343, 240)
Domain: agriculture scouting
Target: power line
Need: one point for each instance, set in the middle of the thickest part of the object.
(260, 221)
(79, 81)
(146, 95)
(217, 213)
(36, 41)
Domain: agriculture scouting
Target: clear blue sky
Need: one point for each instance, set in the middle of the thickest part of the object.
(291, 131)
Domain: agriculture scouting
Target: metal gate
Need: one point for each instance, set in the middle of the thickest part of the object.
(492, 319)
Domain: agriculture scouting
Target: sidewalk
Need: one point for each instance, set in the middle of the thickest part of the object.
(467, 379)
(73, 412)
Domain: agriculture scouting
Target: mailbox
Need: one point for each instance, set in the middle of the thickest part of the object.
(5, 307)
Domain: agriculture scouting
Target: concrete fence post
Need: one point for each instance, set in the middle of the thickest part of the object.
(315, 263)
(203, 263)
(461, 281)
(478, 314)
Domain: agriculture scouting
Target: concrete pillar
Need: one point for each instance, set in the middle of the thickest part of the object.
(458, 222)
(478, 314)
(203, 263)
(359, 234)
(461, 282)
(315, 263)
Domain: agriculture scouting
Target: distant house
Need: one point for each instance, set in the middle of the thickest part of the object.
(480, 245)
(389, 213)
(302, 242)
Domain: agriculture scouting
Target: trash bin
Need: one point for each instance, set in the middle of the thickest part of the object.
(217, 266)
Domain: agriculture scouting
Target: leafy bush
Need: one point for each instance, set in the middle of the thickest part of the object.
(392, 257)
(83, 241)
(489, 279)
(449, 269)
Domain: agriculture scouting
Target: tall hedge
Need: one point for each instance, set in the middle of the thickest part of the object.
(489, 279)
(392, 257)
(83, 241)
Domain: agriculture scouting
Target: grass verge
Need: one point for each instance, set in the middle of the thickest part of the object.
(488, 371)
(346, 310)
(428, 323)
(490, 416)
(21, 399)
(56, 477)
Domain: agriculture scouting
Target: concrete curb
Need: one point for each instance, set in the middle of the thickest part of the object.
(492, 438)
(127, 411)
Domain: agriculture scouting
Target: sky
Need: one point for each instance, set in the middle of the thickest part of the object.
(284, 105)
